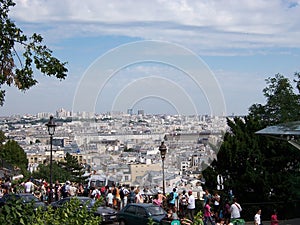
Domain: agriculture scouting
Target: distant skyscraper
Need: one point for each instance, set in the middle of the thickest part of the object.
(141, 112)
(130, 111)
(62, 113)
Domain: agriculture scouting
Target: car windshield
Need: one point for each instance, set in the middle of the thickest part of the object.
(156, 211)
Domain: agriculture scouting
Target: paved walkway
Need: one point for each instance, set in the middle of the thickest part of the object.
(284, 222)
(281, 222)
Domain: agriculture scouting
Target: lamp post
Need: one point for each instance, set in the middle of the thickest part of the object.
(163, 151)
(51, 129)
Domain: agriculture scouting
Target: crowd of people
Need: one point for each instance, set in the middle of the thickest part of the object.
(41, 189)
(180, 206)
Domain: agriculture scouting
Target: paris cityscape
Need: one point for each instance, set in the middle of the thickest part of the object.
(100, 142)
(173, 112)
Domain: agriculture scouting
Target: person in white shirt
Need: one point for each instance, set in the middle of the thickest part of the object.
(110, 199)
(96, 193)
(257, 219)
(235, 209)
(68, 188)
(29, 186)
(123, 195)
(191, 206)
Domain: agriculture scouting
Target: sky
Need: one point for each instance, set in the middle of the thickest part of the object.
(162, 56)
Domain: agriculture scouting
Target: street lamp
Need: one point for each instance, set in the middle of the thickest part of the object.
(163, 151)
(51, 129)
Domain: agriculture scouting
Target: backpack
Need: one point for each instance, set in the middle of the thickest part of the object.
(170, 196)
(131, 197)
(114, 192)
(122, 193)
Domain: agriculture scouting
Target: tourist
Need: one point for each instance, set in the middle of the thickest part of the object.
(208, 213)
(274, 219)
(29, 186)
(235, 210)
(124, 196)
(131, 198)
(226, 212)
(216, 200)
(159, 199)
(257, 218)
(183, 203)
(172, 198)
(110, 199)
(191, 206)
(138, 196)
(206, 196)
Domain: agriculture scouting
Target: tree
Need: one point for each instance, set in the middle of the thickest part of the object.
(72, 166)
(13, 154)
(282, 103)
(58, 173)
(69, 169)
(239, 159)
(16, 67)
(2, 137)
(258, 168)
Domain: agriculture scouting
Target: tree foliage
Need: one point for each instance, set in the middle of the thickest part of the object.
(69, 169)
(260, 168)
(282, 103)
(72, 166)
(58, 173)
(20, 53)
(13, 154)
(2, 137)
(72, 213)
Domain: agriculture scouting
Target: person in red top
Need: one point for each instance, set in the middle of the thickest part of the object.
(208, 213)
(274, 220)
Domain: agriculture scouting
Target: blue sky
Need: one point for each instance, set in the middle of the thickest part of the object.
(241, 42)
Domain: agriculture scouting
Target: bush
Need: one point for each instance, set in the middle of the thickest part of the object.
(72, 213)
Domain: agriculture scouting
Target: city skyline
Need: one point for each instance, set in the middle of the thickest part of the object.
(240, 43)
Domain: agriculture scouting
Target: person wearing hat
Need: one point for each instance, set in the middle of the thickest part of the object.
(191, 206)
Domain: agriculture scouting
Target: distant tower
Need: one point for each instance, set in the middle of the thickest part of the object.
(141, 112)
(130, 111)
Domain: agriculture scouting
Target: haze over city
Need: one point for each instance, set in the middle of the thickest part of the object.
(239, 43)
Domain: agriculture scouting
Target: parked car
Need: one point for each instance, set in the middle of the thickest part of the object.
(140, 214)
(108, 214)
(24, 197)
(82, 201)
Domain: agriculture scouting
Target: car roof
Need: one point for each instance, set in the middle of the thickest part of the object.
(24, 194)
(78, 197)
(145, 205)
(20, 194)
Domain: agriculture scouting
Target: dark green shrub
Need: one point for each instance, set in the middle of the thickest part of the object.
(72, 213)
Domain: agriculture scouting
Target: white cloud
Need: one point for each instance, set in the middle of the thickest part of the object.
(209, 25)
